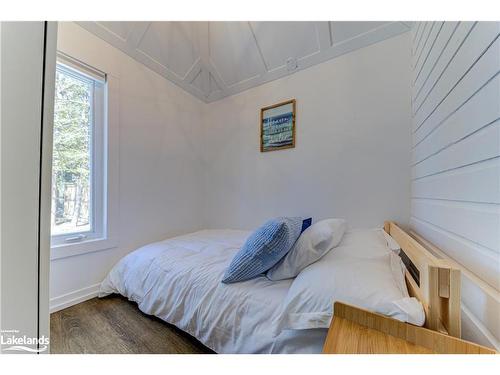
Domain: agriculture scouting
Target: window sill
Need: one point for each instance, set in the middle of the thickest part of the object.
(79, 248)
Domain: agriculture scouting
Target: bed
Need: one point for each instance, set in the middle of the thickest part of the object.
(179, 281)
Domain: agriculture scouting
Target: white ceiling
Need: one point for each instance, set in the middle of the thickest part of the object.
(212, 60)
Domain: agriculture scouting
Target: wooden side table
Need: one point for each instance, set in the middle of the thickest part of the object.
(354, 330)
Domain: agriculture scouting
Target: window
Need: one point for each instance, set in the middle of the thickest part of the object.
(79, 154)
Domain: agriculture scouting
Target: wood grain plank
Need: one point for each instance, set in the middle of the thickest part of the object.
(421, 39)
(440, 106)
(477, 222)
(354, 330)
(114, 325)
(481, 109)
(472, 48)
(482, 145)
(436, 52)
(455, 166)
(420, 56)
(433, 38)
(474, 183)
(477, 42)
(448, 52)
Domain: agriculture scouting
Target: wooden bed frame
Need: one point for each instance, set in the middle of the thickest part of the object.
(358, 331)
(433, 281)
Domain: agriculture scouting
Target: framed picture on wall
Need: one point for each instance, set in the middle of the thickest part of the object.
(277, 126)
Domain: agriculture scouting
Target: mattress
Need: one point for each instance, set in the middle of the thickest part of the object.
(179, 281)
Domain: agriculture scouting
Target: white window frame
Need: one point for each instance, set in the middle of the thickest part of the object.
(104, 155)
(97, 151)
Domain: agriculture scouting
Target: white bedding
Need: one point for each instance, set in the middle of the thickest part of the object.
(178, 280)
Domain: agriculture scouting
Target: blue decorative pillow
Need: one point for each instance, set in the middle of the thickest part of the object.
(306, 223)
(264, 248)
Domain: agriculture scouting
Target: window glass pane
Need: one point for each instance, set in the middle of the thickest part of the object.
(72, 208)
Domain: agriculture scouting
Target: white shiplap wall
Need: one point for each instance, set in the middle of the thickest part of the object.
(456, 158)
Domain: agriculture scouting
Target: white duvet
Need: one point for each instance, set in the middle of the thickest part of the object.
(179, 281)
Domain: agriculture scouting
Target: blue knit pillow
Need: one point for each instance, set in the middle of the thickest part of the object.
(263, 249)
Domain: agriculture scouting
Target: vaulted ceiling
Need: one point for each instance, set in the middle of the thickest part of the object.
(212, 60)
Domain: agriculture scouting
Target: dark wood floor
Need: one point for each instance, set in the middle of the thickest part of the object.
(114, 325)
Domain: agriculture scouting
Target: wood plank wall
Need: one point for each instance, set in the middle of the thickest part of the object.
(456, 158)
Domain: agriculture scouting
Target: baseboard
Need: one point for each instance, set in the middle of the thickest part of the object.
(73, 298)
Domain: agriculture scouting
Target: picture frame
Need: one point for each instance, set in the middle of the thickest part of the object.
(277, 126)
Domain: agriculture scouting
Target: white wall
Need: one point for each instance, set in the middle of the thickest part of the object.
(160, 174)
(352, 148)
(455, 158)
(185, 165)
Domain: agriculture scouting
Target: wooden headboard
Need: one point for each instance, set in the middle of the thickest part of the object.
(433, 281)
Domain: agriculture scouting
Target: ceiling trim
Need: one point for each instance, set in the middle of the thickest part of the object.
(261, 55)
(211, 86)
(203, 36)
(324, 35)
(136, 35)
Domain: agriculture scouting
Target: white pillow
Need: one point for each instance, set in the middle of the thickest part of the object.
(314, 243)
(391, 242)
(363, 272)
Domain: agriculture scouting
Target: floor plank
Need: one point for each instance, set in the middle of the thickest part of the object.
(114, 325)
